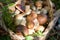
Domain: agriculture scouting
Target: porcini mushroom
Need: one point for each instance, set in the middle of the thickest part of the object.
(19, 19)
(42, 19)
(22, 29)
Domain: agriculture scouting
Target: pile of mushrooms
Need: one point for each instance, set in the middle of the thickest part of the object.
(28, 21)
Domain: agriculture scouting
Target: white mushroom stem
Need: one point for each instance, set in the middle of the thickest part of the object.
(36, 23)
(31, 31)
(20, 20)
(40, 28)
(17, 12)
(28, 12)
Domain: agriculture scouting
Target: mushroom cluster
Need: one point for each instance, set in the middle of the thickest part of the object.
(31, 23)
(28, 20)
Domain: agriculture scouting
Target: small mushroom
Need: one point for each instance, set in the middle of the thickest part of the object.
(42, 19)
(22, 29)
(19, 19)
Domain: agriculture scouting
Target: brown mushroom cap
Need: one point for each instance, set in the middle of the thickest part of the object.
(22, 29)
(32, 16)
(30, 19)
(42, 19)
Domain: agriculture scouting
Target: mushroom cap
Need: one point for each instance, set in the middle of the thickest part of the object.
(23, 29)
(42, 19)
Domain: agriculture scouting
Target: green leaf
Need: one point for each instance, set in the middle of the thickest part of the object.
(38, 33)
(28, 38)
